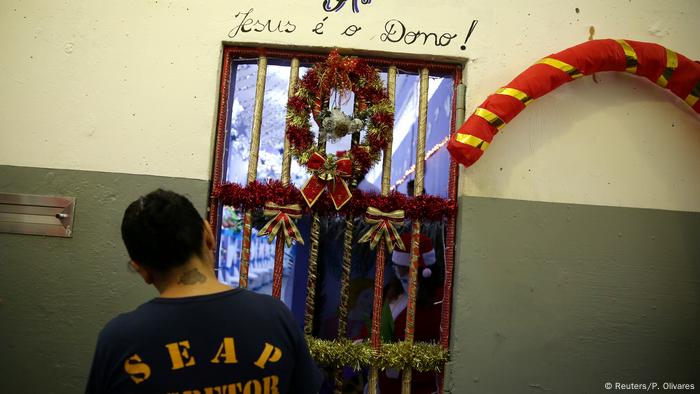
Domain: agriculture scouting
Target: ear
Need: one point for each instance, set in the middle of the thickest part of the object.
(143, 271)
(208, 239)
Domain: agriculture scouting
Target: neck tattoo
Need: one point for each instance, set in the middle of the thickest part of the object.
(192, 277)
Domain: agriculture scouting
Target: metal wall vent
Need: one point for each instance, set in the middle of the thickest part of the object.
(36, 215)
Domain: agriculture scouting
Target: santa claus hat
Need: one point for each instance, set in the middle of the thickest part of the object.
(426, 255)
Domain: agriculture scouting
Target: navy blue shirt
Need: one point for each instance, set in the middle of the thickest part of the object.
(232, 342)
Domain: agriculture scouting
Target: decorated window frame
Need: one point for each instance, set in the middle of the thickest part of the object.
(280, 202)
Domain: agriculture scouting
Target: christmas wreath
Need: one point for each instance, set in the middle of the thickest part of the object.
(337, 76)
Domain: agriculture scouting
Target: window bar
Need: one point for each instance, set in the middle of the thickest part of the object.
(415, 230)
(347, 265)
(311, 279)
(313, 253)
(253, 167)
(379, 263)
(404, 64)
(220, 140)
(459, 112)
(286, 166)
(344, 296)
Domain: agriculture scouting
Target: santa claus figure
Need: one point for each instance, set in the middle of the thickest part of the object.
(428, 311)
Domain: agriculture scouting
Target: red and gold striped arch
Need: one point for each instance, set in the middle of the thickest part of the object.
(666, 68)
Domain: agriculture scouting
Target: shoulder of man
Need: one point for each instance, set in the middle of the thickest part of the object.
(260, 300)
(272, 306)
(121, 327)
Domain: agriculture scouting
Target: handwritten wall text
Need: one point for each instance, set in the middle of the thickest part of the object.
(395, 31)
(248, 24)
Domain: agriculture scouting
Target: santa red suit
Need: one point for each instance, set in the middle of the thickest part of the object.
(428, 314)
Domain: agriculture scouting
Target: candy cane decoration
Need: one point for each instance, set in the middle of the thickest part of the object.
(666, 68)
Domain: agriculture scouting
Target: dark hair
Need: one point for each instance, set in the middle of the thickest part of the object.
(162, 230)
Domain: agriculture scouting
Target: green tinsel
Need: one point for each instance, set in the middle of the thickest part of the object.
(420, 356)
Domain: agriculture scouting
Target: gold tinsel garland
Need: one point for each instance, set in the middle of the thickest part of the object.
(337, 353)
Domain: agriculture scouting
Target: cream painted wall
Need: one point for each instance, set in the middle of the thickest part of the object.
(131, 87)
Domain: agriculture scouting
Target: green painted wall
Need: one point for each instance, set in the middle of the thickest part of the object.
(563, 298)
(548, 296)
(57, 293)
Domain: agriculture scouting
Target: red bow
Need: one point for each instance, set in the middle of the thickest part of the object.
(282, 220)
(383, 228)
(328, 173)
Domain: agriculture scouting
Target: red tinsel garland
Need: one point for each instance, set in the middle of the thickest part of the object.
(256, 194)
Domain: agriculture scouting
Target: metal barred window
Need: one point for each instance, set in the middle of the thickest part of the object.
(342, 291)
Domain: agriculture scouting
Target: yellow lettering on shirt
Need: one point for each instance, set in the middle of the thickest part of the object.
(180, 354)
(137, 369)
(216, 390)
(252, 387)
(270, 384)
(235, 388)
(227, 350)
(270, 353)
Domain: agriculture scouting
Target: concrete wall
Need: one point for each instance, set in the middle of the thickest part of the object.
(57, 293)
(563, 298)
(596, 281)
